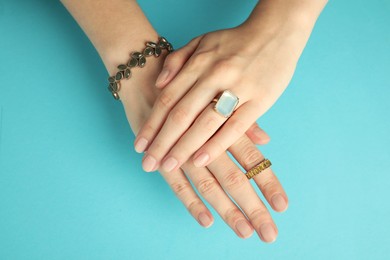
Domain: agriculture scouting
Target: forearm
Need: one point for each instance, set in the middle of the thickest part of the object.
(113, 26)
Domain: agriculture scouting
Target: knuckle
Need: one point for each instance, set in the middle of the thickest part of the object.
(199, 59)
(259, 215)
(251, 156)
(268, 184)
(180, 188)
(223, 66)
(207, 186)
(226, 68)
(209, 123)
(194, 206)
(234, 180)
(165, 101)
(232, 215)
(178, 115)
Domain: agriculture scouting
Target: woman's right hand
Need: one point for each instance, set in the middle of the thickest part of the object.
(218, 179)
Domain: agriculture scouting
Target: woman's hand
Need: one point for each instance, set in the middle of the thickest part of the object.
(255, 65)
(221, 177)
(215, 62)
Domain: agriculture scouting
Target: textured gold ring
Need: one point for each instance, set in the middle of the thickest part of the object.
(264, 164)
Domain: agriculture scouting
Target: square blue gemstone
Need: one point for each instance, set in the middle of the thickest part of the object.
(226, 103)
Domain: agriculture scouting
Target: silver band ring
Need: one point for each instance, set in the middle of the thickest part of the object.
(225, 103)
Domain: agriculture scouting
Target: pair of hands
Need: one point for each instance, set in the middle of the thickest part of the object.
(205, 60)
(255, 61)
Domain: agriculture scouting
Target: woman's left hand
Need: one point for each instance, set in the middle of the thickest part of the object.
(254, 67)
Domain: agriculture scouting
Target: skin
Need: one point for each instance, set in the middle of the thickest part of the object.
(138, 95)
(255, 60)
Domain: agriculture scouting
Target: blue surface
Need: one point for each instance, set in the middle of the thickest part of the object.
(72, 187)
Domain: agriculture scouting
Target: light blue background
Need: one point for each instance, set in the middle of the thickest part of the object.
(72, 187)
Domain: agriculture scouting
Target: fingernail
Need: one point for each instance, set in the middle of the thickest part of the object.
(257, 131)
(169, 164)
(162, 77)
(204, 220)
(268, 233)
(140, 145)
(244, 229)
(201, 159)
(279, 202)
(261, 134)
(149, 163)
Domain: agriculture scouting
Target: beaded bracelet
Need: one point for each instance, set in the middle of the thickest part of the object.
(137, 59)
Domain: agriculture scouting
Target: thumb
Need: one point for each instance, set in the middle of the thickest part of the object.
(175, 61)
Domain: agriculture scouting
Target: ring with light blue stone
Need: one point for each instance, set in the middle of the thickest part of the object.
(225, 103)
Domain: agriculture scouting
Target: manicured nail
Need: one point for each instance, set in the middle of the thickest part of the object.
(169, 164)
(268, 233)
(244, 229)
(279, 202)
(162, 77)
(204, 220)
(149, 163)
(260, 134)
(257, 132)
(201, 159)
(140, 145)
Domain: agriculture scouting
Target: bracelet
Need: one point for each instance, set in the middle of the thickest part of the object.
(137, 59)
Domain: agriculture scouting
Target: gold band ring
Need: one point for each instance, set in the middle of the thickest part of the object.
(264, 164)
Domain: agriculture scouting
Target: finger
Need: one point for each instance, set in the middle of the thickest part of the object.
(235, 183)
(175, 61)
(229, 133)
(257, 135)
(196, 65)
(163, 104)
(205, 125)
(186, 194)
(167, 99)
(210, 189)
(248, 156)
(177, 123)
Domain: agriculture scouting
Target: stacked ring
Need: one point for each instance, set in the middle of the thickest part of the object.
(264, 164)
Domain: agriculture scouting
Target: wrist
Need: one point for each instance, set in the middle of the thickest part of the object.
(119, 75)
(142, 82)
(287, 23)
(120, 48)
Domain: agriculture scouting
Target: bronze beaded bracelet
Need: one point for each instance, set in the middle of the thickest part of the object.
(137, 59)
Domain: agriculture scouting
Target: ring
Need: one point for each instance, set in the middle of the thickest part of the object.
(264, 164)
(225, 103)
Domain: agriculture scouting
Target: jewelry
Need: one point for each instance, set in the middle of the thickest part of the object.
(137, 59)
(264, 164)
(225, 103)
